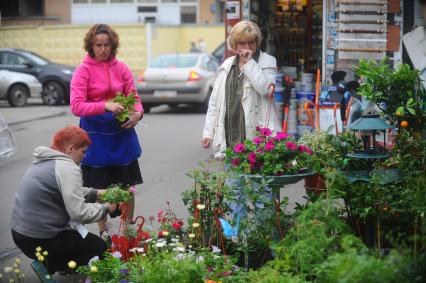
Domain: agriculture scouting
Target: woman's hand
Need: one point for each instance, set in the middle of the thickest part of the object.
(114, 107)
(245, 56)
(206, 142)
(99, 193)
(111, 207)
(133, 120)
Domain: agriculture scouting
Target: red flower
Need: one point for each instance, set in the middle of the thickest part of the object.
(235, 162)
(163, 233)
(291, 145)
(177, 225)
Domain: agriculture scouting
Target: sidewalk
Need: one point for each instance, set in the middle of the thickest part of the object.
(16, 116)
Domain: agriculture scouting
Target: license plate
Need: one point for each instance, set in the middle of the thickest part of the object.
(165, 93)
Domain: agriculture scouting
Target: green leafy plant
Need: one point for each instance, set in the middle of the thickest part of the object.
(127, 102)
(395, 91)
(116, 193)
(268, 155)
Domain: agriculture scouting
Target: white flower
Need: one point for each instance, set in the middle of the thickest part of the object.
(179, 249)
(72, 264)
(175, 240)
(137, 250)
(93, 259)
(160, 244)
(200, 259)
(148, 240)
(201, 206)
(180, 256)
(294, 163)
(195, 225)
(117, 254)
(216, 250)
(172, 244)
(191, 235)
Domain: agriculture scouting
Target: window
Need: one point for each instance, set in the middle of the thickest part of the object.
(12, 59)
(121, 1)
(188, 14)
(169, 1)
(188, 1)
(22, 8)
(147, 9)
(98, 1)
(147, 1)
(80, 1)
(174, 61)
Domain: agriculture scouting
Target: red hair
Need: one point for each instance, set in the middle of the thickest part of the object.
(70, 135)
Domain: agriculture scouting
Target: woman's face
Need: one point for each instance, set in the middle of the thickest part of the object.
(247, 43)
(102, 47)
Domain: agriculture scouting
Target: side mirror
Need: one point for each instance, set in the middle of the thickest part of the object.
(28, 65)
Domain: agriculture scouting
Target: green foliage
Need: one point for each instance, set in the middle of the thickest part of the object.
(116, 193)
(206, 194)
(395, 91)
(107, 270)
(127, 102)
(266, 274)
(316, 234)
(328, 150)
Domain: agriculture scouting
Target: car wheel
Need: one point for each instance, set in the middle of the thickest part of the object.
(18, 95)
(205, 105)
(53, 93)
(146, 108)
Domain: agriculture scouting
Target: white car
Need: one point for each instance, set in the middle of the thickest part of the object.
(16, 87)
(178, 79)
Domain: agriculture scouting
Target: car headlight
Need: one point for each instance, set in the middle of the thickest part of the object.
(67, 72)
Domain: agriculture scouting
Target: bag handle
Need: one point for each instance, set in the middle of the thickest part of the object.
(271, 103)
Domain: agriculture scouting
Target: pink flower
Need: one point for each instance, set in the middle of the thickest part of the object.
(258, 140)
(281, 136)
(132, 189)
(291, 145)
(304, 148)
(239, 148)
(235, 162)
(265, 132)
(269, 146)
(252, 158)
(259, 150)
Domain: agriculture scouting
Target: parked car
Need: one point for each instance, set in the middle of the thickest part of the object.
(219, 52)
(178, 79)
(17, 87)
(55, 78)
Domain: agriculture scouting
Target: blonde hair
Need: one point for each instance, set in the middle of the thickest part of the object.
(243, 31)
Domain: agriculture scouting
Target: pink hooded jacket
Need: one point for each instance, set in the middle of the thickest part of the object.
(96, 82)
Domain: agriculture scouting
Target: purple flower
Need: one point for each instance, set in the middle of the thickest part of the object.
(265, 132)
(258, 140)
(124, 271)
(252, 158)
(281, 136)
(235, 162)
(269, 146)
(239, 148)
(291, 145)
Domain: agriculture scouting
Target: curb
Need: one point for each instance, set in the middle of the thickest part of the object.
(61, 113)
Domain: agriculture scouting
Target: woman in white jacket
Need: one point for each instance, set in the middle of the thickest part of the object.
(240, 100)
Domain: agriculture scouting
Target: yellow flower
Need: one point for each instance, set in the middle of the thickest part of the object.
(191, 235)
(201, 206)
(16, 270)
(72, 264)
(38, 254)
(165, 233)
(18, 261)
(93, 269)
(195, 225)
(45, 253)
(40, 258)
(38, 249)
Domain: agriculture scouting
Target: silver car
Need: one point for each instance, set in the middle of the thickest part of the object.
(178, 79)
(17, 87)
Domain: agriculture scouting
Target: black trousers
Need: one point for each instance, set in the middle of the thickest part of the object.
(67, 246)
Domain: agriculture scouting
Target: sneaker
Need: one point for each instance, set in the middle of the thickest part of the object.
(106, 237)
(42, 272)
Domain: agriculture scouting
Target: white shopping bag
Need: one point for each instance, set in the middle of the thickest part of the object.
(7, 145)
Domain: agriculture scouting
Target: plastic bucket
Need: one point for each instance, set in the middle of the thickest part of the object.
(305, 115)
(278, 94)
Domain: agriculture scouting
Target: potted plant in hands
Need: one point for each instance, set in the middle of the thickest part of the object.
(115, 193)
(128, 103)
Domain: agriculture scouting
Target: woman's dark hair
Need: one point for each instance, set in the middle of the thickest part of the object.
(99, 29)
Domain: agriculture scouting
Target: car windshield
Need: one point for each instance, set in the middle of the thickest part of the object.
(174, 61)
(37, 59)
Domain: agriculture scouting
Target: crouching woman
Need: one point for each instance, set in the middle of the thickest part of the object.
(51, 204)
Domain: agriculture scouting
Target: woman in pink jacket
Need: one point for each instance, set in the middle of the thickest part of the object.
(112, 158)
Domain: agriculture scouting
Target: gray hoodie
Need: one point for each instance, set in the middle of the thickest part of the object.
(50, 194)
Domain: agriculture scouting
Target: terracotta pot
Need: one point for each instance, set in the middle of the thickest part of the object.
(315, 184)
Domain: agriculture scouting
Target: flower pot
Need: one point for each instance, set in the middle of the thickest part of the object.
(315, 184)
